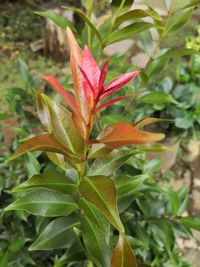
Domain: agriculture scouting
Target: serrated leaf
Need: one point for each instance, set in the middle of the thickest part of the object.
(129, 31)
(58, 234)
(123, 255)
(51, 180)
(100, 191)
(44, 202)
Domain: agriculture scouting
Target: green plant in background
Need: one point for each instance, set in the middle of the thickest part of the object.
(101, 180)
(16, 234)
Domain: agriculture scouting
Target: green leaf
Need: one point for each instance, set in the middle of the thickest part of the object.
(127, 185)
(58, 234)
(56, 18)
(155, 66)
(108, 164)
(51, 180)
(98, 151)
(129, 31)
(100, 191)
(174, 201)
(45, 202)
(191, 222)
(146, 42)
(63, 127)
(4, 116)
(94, 230)
(157, 98)
(178, 19)
(123, 255)
(131, 15)
(87, 21)
(97, 218)
(24, 71)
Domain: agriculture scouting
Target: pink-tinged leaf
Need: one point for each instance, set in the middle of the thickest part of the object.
(123, 255)
(91, 70)
(66, 95)
(103, 75)
(112, 101)
(76, 59)
(87, 86)
(123, 134)
(118, 83)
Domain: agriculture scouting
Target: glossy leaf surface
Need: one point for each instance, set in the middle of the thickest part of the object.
(45, 202)
(51, 180)
(58, 234)
(63, 127)
(100, 191)
(45, 142)
(123, 134)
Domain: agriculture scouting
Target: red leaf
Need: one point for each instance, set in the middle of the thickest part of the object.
(110, 102)
(66, 95)
(123, 134)
(87, 87)
(119, 82)
(103, 75)
(91, 70)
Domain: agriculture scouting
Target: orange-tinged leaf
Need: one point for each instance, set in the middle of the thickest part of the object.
(100, 191)
(69, 99)
(123, 134)
(123, 255)
(44, 142)
(76, 59)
